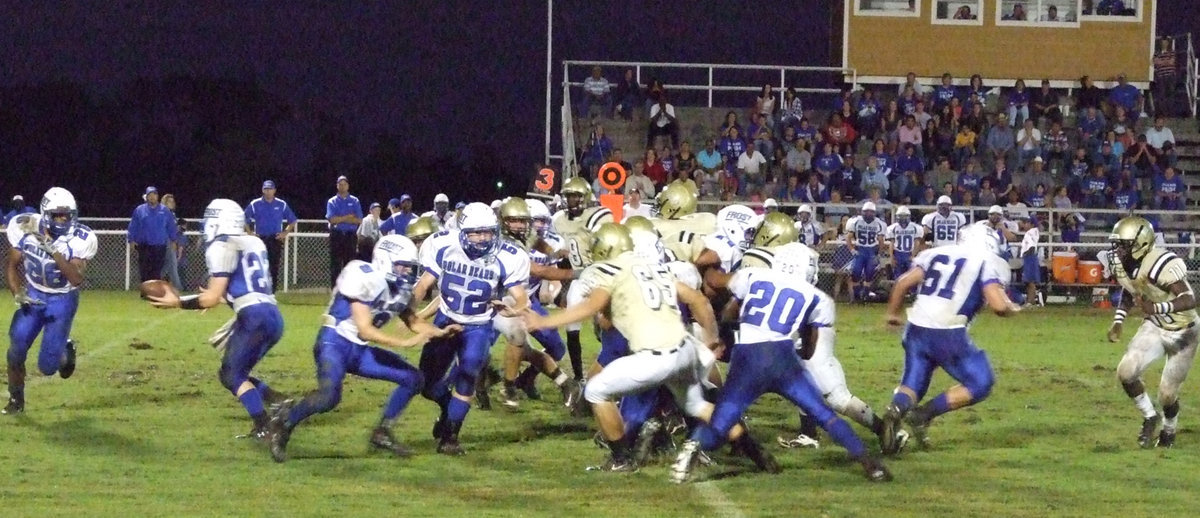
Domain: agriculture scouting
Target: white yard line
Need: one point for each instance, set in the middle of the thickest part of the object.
(718, 500)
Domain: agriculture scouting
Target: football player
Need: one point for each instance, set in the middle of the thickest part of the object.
(420, 229)
(904, 238)
(810, 231)
(863, 234)
(942, 226)
(366, 297)
(515, 220)
(776, 304)
(441, 211)
(53, 249)
(641, 296)
(677, 219)
(953, 283)
(575, 225)
(471, 267)
(1155, 281)
(240, 277)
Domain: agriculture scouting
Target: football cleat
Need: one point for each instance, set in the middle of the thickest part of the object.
(256, 433)
(511, 398)
(644, 445)
(759, 455)
(801, 441)
(891, 427)
(572, 394)
(920, 431)
(450, 446)
(68, 364)
(681, 471)
(483, 400)
(530, 390)
(14, 406)
(1166, 438)
(619, 465)
(875, 470)
(278, 432)
(383, 439)
(1149, 425)
(438, 428)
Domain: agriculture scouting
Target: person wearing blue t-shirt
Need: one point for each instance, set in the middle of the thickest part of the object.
(271, 219)
(344, 213)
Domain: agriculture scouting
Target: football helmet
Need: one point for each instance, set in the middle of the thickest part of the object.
(903, 215)
(479, 221)
(609, 241)
(576, 192)
(441, 204)
(804, 213)
(396, 256)
(419, 229)
(539, 215)
(943, 205)
(736, 223)
(980, 237)
(775, 229)
(1131, 239)
(515, 218)
(223, 217)
(58, 202)
(640, 224)
(647, 245)
(798, 260)
(676, 201)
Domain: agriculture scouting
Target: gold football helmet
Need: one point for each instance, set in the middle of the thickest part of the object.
(776, 229)
(609, 241)
(419, 229)
(676, 201)
(1131, 239)
(576, 192)
(641, 223)
(515, 218)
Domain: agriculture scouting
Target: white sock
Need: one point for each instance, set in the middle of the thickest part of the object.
(562, 378)
(1145, 405)
(1169, 423)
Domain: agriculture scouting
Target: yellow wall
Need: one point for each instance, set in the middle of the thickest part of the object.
(894, 46)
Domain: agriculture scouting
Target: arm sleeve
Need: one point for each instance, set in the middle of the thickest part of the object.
(922, 260)
(221, 259)
(15, 232)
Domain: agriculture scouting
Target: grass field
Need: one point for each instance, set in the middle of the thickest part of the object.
(150, 432)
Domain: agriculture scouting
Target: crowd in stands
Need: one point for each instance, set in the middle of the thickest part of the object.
(980, 146)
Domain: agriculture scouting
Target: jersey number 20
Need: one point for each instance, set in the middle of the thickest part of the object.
(775, 310)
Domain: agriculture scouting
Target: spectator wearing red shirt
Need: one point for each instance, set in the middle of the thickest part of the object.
(841, 134)
(652, 167)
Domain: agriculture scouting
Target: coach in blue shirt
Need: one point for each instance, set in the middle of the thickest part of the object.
(18, 207)
(402, 215)
(344, 213)
(272, 220)
(150, 228)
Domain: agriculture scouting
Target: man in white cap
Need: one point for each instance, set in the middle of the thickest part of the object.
(18, 207)
(441, 210)
(809, 229)
(942, 226)
(904, 237)
(634, 206)
(863, 234)
(770, 205)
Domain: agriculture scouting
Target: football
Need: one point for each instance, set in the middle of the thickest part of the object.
(155, 288)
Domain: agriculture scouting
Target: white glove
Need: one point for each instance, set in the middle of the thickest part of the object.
(44, 242)
(22, 300)
(27, 224)
(220, 337)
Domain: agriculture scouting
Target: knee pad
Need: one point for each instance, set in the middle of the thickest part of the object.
(981, 385)
(1127, 370)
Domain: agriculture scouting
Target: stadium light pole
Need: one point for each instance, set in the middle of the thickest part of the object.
(549, 73)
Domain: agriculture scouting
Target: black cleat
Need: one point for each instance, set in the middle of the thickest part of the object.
(278, 432)
(14, 406)
(450, 446)
(68, 366)
(483, 400)
(511, 398)
(619, 465)
(920, 430)
(383, 439)
(761, 457)
(875, 470)
(258, 434)
(572, 395)
(643, 447)
(438, 428)
(891, 426)
(1149, 425)
(529, 387)
(1166, 438)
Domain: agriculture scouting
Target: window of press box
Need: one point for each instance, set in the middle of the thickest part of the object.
(1039, 13)
(957, 12)
(1111, 10)
(907, 8)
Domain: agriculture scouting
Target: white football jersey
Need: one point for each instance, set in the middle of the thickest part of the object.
(728, 251)
(810, 232)
(776, 305)
(866, 233)
(243, 259)
(556, 243)
(953, 289)
(468, 286)
(441, 222)
(944, 229)
(41, 273)
(358, 282)
(904, 237)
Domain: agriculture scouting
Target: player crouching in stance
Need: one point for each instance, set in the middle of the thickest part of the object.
(241, 277)
(1154, 280)
(366, 297)
(641, 295)
(777, 304)
(953, 283)
(54, 251)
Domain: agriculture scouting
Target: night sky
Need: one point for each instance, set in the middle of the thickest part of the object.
(449, 76)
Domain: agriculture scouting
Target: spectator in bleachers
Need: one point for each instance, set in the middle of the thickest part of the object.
(1111, 8)
(792, 110)
(1126, 96)
(1035, 174)
(685, 157)
(969, 179)
(1111, 161)
(633, 204)
(1000, 142)
(1055, 145)
(875, 195)
(732, 146)
(789, 138)
(910, 161)
(948, 191)
(1061, 199)
(652, 167)
(729, 183)
(1037, 198)
(600, 190)
(1029, 143)
(913, 190)
(940, 137)
(1044, 103)
(841, 134)
(910, 134)
(976, 119)
(851, 178)
(1069, 228)
(1165, 69)
(654, 93)
(619, 157)
(792, 190)
(1014, 207)
(976, 93)
(890, 121)
(1077, 170)
(1018, 103)
(798, 158)
(1139, 154)
(662, 122)
(1162, 140)
(1017, 14)
(628, 95)
(1169, 190)
(764, 105)
(874, 177)
(944, 92)
(835, 217)
(1096, 189)
(1118, 143)
(827, 162)
(667, 158)
(596, 90)
(709, 181)
(1051, 15)
(760, 133)
(921, 115)
(942, 174)
(910, 82)
(1001, 178)
(987, 195)
(710, 159)
(849, 116)
(885, 159)
(751, 169)
(1091, 127)
(599, 149)
(640, 181)
(807, 131)
(908, 101)
(868, 114)
(1088, 96)
(1122, 121)
(956, 110)
(731, 122)
(814, 191)
(1125, 196)
(967, 199)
